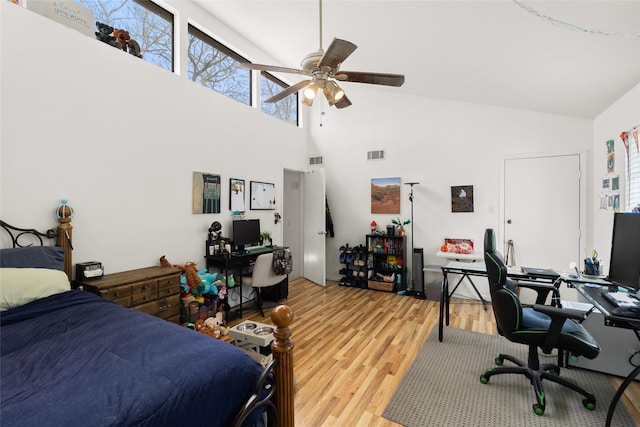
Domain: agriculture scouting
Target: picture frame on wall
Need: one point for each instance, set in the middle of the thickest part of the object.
(462, 198)
(236, 195)
(205, 193)
(263, 195)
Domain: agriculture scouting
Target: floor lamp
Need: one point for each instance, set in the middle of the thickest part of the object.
(418, 294)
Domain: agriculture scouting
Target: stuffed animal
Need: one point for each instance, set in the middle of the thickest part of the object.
(104, 34)
(122, 37)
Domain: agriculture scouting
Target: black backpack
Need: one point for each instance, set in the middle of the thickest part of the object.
(282, 262)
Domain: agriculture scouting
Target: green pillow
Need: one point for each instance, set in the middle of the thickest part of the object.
(19, 286)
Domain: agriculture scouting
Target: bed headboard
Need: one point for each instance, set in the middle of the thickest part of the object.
(24, 237)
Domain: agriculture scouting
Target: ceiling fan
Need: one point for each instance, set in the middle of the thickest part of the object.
(323, 69)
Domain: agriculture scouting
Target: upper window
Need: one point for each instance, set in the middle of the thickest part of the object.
(217, 67)
(287, 108)
(147, 23)
(632, 173)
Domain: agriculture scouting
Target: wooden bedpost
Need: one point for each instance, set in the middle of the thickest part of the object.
(64, 213)
(282, 349)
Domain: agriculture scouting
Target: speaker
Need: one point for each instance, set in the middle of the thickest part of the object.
(418, 274)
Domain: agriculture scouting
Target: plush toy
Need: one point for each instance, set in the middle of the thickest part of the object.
(122, 37)
(104, 34)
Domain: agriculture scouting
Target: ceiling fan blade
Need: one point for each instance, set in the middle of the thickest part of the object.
(288, 91)
(373, 78)
(343, 103)
(336, 53)
(274, 68)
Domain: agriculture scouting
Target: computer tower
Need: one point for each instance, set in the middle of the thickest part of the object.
(418, 274)
(618, 347)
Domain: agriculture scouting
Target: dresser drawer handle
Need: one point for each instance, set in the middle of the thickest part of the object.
(164, 307)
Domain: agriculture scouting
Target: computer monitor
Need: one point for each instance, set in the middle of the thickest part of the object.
(246, 232)
(624, 266)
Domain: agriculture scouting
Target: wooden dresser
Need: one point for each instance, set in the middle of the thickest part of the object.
(154, 290)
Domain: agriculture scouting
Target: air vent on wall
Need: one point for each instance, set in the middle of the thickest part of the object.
(315, 160)
(375, 155)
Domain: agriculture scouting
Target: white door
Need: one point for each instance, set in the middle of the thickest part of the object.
(542, 210)
(314, 226)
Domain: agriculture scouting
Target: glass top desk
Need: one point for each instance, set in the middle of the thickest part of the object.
(591, 290)
(469, 269)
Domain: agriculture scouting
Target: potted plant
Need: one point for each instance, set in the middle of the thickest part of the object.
(266, 238)
(400, 225)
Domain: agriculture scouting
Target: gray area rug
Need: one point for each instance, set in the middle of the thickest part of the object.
(442, 388)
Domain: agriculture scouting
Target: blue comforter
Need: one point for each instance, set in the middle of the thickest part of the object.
(74, 359)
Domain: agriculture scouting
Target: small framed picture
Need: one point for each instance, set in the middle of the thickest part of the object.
(236, 195)
(462, 198)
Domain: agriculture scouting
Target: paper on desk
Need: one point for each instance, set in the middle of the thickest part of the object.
(514, 270)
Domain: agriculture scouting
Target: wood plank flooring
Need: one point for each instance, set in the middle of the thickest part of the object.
(353, 346)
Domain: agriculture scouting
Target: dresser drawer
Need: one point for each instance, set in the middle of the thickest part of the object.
(144, 291)
(165, 308)
(118, 293)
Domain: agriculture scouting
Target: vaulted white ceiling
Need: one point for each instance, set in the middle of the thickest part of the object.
(488, 52)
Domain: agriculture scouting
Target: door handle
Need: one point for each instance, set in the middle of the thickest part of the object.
(508, 221)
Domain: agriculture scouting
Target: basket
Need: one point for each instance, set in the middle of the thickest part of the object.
(381, 286)
(196, 310)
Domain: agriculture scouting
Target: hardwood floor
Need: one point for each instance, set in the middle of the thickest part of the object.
(353, 346)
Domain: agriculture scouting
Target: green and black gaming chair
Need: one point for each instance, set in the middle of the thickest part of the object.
(541, 326)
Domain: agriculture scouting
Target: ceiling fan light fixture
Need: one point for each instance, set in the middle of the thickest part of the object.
(310, 91)
(306, 101)
(336, 91)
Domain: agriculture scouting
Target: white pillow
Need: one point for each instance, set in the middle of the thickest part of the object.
(19, 286)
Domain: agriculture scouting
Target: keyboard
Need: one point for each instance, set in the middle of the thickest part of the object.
(621, 299)
(259, 250)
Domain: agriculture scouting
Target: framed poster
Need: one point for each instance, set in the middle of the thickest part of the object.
(236, 195)
(263, 195)
(385, 195)
(206, 193)
(462, 198)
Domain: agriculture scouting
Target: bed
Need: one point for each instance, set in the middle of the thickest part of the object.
(71, 358)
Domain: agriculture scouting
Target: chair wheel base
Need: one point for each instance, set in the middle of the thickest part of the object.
(538, 409)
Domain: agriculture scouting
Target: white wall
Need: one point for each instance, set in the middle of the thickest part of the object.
(73, 125)
(623, 115)
(120, 138)
(438, 143)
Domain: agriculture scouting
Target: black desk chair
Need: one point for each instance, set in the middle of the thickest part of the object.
(541, 326)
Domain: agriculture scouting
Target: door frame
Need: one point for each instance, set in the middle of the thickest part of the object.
(582, 156)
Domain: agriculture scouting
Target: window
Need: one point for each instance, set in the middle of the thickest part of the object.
(147, 23)
(632, 173)
(286, 109)
(217, 67)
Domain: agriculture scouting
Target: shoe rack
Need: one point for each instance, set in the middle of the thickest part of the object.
(354, 270)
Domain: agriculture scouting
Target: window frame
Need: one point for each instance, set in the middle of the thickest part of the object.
(267, 75)
(193, 30)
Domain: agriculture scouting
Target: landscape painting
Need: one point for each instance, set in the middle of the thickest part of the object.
(385, 195)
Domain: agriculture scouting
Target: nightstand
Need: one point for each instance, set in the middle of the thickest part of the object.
(154, 290)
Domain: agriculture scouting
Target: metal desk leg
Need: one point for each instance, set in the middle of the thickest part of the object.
(619, 393)
(444, 301)
(484, 303)
(462, 277)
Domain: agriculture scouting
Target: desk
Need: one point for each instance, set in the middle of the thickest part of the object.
(469, 269)
(593, 294)
(235, 263)
(463, 272)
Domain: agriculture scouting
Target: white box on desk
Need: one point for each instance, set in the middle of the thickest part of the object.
(616, 344)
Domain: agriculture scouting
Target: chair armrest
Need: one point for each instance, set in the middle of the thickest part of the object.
(558, 317)
(560, 313)
(541, 289)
